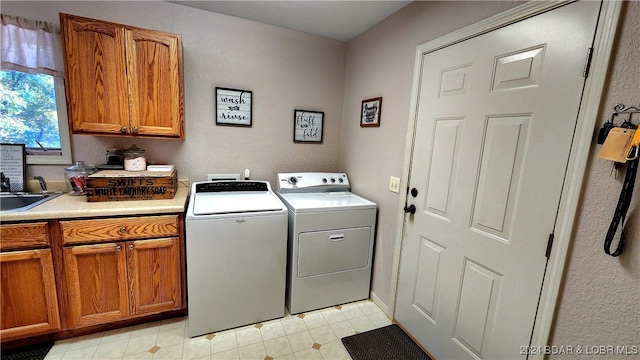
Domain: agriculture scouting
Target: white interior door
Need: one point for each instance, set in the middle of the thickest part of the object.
(494, 124)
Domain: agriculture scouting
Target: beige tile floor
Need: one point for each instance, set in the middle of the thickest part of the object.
(310, 335)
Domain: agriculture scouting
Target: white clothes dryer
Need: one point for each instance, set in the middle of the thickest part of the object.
(330, 240)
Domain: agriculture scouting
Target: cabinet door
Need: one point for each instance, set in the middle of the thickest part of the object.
(154, 275)
(95, 80)
(154, 63)
(96, 283)
(29, 301)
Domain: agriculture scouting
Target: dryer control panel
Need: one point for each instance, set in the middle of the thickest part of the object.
(312, 182)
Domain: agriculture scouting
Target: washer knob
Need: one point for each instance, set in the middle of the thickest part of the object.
(324, 180)
(333, 180)
(340, 180)
(293, 180)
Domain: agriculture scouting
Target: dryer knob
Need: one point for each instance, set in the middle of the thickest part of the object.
(333, 180)
(324, 180)
(293, 180)
(340, 180)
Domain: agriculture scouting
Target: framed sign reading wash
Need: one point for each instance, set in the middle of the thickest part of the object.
(233, 107)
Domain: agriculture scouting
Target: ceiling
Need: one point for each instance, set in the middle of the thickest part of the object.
(340, 20)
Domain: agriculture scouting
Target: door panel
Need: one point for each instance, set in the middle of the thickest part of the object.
(94, 69)
(154, 275)
(155, 82)
(28, 294)
(96, 278)
(494, 124)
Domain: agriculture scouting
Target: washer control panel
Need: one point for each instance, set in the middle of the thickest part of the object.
(313, 182)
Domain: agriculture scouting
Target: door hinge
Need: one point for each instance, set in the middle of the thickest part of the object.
(587, 63)
(549, 245)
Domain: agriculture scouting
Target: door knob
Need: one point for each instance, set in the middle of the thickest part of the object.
(410, 209)
(414, 192)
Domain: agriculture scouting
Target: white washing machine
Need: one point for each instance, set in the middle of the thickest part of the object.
(331, 232)
(236, 241)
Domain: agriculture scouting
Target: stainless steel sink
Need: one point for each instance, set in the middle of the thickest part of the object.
(14, 202)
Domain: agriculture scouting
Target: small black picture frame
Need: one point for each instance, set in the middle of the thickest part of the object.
(308, 126)
(370, 112)
(234, 107)
(13, 161)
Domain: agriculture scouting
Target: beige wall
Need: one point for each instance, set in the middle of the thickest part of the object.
(600, 300)
(285, 69)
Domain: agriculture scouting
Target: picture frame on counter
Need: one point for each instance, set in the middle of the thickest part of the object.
(234, 107)
(308, 126)
(13, 160)
(370, 112)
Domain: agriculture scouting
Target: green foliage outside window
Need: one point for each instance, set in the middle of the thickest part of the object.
(28, 113)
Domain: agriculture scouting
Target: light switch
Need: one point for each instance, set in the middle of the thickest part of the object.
(394, 184)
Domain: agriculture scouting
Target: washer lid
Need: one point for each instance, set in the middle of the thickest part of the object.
(309, 202)
(235, 202)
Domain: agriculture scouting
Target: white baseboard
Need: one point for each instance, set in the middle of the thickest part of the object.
(384, 307)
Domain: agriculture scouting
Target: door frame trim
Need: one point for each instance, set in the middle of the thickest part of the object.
(588, 113)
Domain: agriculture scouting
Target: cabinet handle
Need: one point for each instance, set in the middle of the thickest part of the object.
(123, 129)
(135, 129)
(130, 247)
(122, 230)
(118, 247)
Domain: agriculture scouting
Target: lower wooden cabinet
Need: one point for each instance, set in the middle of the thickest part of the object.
(112, 281)
(61, 276)
(116, 268)
(29, 301)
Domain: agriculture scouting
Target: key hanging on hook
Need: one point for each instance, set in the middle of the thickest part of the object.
(604, 130)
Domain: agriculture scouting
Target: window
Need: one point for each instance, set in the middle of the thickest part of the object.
(29, 114)
(32, 102)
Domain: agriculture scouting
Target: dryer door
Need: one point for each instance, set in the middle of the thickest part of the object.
(330, 251)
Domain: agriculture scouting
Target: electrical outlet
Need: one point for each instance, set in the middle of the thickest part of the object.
(394, 184)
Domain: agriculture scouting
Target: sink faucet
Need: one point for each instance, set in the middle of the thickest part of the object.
(5, 184)
(43, 184)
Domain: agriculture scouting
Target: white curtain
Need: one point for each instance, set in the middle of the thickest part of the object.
(31, 46)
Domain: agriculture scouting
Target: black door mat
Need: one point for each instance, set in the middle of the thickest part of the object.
(385, 343)
(34, 352)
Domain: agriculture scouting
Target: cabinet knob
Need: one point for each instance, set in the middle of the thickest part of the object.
(118, 247)
(123, 129)
(122, 230)
(130, 247)
(135, 129)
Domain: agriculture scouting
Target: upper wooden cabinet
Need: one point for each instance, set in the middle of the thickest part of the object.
(122, 80)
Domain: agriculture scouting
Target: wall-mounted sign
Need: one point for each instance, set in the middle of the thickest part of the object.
(12, 166)
(233, 107)
(307, 126)
(370, 113)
